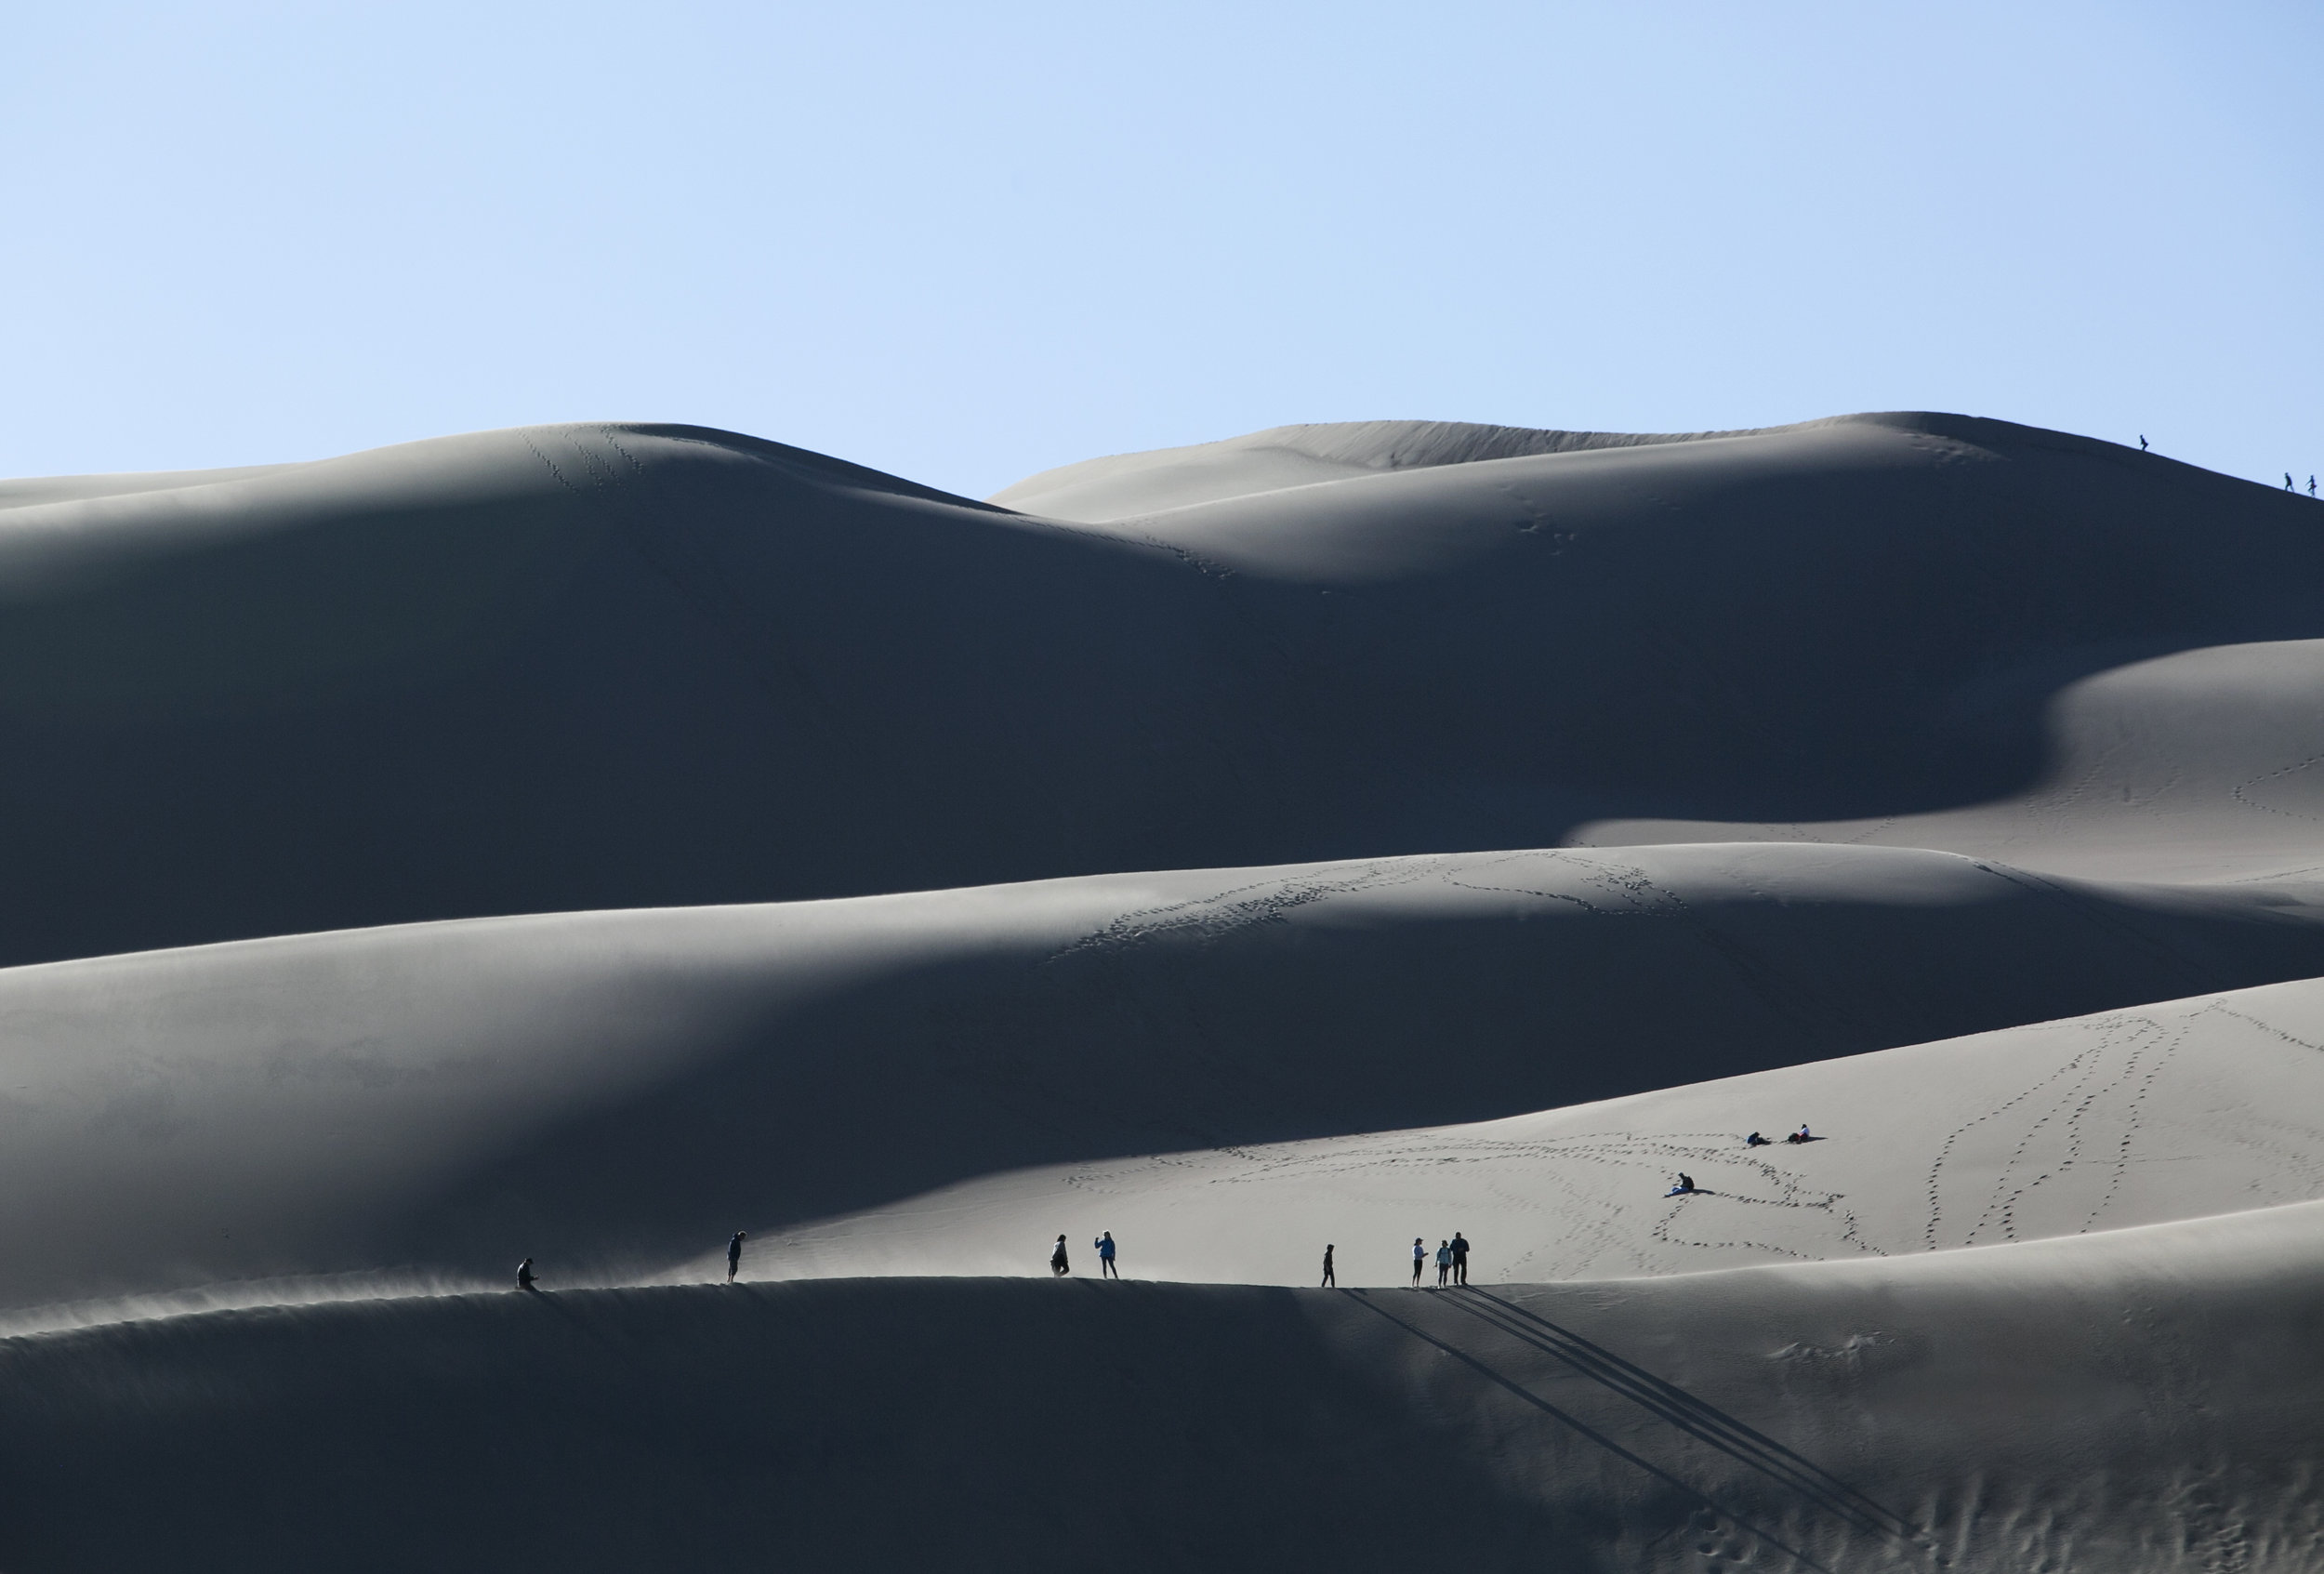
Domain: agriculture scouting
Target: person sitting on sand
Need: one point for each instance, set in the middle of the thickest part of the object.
(1058, 1267)
(1419, 1255)
(1799, 1136)
(1105, 1256)
(1685, 1185)
(1755, 1140)
(524, 1274)
(734, 1255)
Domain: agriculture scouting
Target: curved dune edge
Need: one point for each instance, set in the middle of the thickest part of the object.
(2128, 1401)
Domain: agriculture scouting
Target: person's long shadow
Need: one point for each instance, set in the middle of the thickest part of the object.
(1699, 1419)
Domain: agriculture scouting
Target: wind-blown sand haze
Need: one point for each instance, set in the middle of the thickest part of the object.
(582, 842)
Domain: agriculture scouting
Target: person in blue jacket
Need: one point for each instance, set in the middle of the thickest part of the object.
(1105, 1257)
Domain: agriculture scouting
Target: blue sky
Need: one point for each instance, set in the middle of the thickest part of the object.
(968, 243)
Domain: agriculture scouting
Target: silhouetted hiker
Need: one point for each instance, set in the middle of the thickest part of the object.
(1419, 1255)
(1686, 1185)
(1058, 1267)
(1755, 1140)
(1104, 1244)
(1329, 1282)
(524, 1274)
(1460, 1258)
(734, 1255)
(2142, 442)
(2311, 486)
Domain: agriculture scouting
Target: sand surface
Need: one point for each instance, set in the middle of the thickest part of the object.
(581, 843)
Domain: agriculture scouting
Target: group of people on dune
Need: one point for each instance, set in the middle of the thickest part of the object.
(1452, 1256)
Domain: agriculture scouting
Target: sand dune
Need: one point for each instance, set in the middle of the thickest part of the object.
(575, 667)
(619, 1090)
(581, 842)
(2137, 1401)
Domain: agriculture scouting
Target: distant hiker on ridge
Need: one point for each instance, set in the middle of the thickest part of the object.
(2142, 442)
(1330, 1281)
(524, 1275)
(1444, 1262)
(1058, 1267)
(1460, 1258)
(734, 1255)
(1104, 1244)
(1419, 1255)
(2311, 486)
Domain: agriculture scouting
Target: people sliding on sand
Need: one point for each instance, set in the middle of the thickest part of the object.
(1058, 1267)
(734, 1255)
(1329, 1282)
(524, 1274)
(1460, 1258)
(1104, 1244)
(1684, 1186)
(1755, 1140)
(1800, 1135)
(1419, 1255)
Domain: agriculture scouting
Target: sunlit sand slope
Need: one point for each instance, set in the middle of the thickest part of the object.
(2161, 1112)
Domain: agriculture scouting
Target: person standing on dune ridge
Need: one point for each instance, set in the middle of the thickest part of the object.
(1419, 1255)
(1444, 1262)
(1058, 1267)
(1460, 1258)
(734, 1255)
(1330, 1281)
(1105, 1256)
(524, 1275)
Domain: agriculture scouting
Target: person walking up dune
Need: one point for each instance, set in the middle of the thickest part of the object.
(524, 1274)
(1058, 1267)
(1419, 1255)
(734, 1255)
(1104, 1244)
(1330, 1281)
(2142, 442)
(1460, 1258)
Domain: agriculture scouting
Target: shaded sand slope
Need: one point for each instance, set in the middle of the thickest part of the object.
(613, 1092)
(2161, 1112)
(595, 665)
(2139, 1400)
